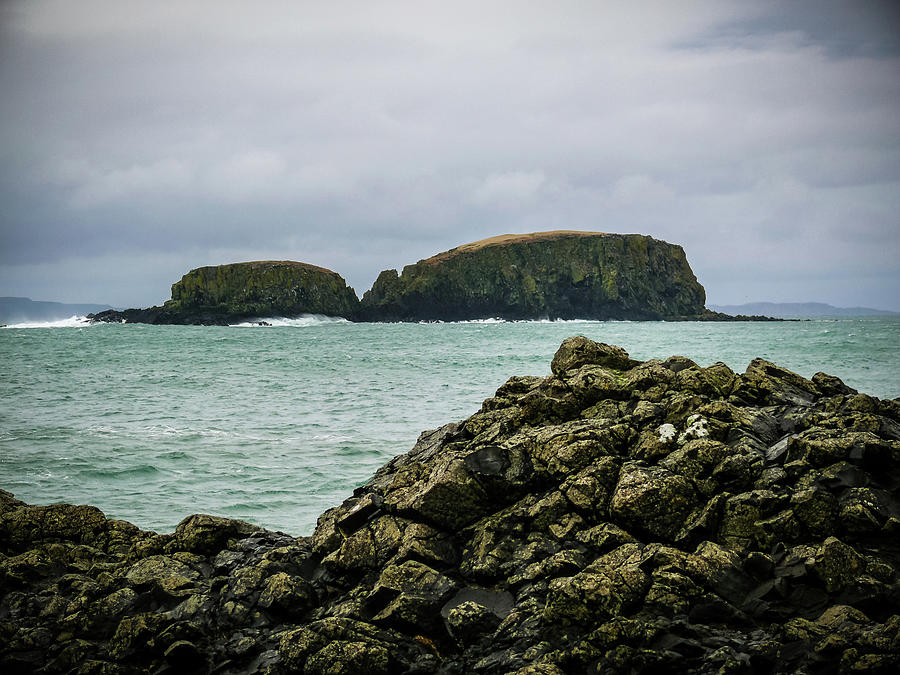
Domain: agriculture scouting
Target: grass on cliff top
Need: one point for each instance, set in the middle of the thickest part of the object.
(503, 239)
(253, 264)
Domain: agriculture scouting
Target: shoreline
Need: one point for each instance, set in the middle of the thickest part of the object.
(163, 316)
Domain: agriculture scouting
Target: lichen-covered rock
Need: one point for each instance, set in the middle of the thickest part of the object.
(562, 274)
(615, 516)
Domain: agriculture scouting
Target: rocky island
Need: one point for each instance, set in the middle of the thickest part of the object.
(223, 294)
(615, 516)
(544, 275)
(556, 275)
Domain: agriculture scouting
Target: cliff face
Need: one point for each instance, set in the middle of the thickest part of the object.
(549, 274)
(264, 288)
(222, 294)
(613, 517)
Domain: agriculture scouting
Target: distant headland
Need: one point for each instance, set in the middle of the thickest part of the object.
(562, 274)
(800, 310)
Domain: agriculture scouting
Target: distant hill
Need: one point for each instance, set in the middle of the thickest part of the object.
(794, 310)
(21, 310)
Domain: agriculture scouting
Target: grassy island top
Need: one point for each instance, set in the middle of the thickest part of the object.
(503, 239)
(256, 264)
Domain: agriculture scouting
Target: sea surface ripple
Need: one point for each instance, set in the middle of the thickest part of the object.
(275, 424)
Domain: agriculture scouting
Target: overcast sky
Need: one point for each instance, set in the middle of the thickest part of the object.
(140, 139)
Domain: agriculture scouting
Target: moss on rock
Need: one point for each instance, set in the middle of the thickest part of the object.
(262, 289)
(564, 274)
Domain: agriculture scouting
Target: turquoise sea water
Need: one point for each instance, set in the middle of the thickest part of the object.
(276, 424)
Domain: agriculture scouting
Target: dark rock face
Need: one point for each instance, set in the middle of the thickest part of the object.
(553, 275)
(562, 274)
(226, 293)
(616, 516)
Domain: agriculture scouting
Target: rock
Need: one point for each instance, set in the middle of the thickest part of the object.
(614, 516)
(185, 657)
(652, 499)
(224, 294)
(564, 274)
(578, 351)
(559, 274)
(207, 534)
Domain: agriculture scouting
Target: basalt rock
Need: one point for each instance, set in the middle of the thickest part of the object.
(223, 294)
(615, 516)
(562, 274)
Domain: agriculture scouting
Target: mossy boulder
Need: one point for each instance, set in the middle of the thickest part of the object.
(560, 274)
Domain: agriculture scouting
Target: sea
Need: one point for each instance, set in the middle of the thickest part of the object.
(275, 424)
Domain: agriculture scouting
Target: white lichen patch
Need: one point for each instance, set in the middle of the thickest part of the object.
(697, 427)
(667, 433)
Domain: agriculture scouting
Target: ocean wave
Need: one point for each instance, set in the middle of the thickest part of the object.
(137, 470)
(495, 320)
(302, 321)
(71, 322)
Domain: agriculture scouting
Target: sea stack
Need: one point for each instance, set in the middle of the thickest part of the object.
(223, 294)
(557, 275)
(264, 288)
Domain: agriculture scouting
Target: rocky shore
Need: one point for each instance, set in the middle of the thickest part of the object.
(614, 517)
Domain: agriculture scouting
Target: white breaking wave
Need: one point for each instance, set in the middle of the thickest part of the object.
(71, 322)
(499, 320)
(302, 321)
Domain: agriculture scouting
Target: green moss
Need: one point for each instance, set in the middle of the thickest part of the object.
(263, 289)
(558, 275)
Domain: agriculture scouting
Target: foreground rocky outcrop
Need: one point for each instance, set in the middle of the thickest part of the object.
(223, 294)
(616, 516)
(556, 275)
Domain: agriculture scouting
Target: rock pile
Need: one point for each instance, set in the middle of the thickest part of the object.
(616, 516)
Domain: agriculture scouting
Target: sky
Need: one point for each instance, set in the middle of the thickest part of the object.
(141, 139)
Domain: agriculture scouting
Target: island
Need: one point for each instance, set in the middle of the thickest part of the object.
(564, 274)
(615, 516)
(225, 294)
(544, 275)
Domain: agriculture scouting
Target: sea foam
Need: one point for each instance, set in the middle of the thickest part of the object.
(71, 322)
(302, 321)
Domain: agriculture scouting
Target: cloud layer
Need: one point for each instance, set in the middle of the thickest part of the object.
(142, 139)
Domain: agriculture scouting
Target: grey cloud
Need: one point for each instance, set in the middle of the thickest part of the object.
(362, 136)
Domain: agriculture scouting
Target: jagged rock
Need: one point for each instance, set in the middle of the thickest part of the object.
(612, 517)
(578, 351)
